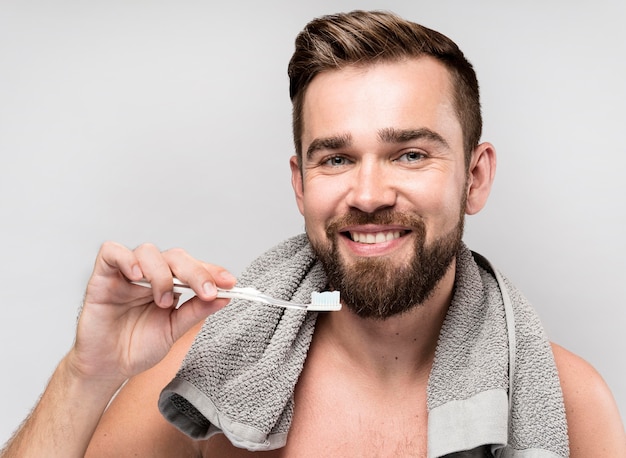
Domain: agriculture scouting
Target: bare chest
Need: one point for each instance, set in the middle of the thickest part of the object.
(341, 415)
(346, 417)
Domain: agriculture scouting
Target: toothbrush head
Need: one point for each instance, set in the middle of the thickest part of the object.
(326, 301)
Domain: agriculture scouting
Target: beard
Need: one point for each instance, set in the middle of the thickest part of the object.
(378, 287)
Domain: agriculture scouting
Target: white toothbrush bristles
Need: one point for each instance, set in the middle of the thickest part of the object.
(327, 301)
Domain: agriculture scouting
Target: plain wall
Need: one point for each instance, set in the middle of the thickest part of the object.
(169, 122)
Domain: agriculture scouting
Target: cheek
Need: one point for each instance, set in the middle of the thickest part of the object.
(326, 186)
(317, 200)
(439, 202)
(321, 200)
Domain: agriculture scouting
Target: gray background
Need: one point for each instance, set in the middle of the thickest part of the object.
(169, 122)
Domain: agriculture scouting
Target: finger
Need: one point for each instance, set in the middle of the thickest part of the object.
(203, 278)
(223, 278)
(156, 271)
(114, 258)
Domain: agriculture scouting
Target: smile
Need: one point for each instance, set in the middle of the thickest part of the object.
(375, 237)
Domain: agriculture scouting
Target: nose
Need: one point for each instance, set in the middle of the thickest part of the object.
(371, 188)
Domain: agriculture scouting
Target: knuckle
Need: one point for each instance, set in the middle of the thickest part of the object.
(176, 252)
(109, 245)
(176, 256)
(146, 247)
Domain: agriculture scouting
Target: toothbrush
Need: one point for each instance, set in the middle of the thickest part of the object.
(326, 301)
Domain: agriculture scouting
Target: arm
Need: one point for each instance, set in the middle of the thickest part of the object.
(593, 420)
(62, 421)
(133, 426)
(123, 330)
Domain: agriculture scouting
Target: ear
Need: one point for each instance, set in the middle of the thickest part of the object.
(297, 182)
(482, 171)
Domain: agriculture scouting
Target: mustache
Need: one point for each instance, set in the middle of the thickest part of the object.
(356, 217)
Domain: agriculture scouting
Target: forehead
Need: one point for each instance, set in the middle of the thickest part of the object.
(360, 100)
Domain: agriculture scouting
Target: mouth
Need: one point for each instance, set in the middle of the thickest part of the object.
(371, 238)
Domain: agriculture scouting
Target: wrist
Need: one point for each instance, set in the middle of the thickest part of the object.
(86, 377)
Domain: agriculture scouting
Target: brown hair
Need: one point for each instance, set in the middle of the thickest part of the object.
(365, 37)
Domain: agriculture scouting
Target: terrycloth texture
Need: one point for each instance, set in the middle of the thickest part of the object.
(240, 372)
(239, 375)
(468, 388)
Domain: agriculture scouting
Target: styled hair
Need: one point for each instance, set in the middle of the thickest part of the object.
(366, 37)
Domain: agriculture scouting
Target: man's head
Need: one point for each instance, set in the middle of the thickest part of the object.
(362, 38)
(385, 170)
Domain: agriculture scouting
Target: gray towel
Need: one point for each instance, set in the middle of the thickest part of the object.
(239, 375)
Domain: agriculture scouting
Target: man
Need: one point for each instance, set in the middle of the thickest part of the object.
(386, 128)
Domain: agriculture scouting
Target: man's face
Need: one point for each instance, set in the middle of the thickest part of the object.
(383, 182)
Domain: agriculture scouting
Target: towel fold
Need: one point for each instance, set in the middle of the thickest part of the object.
(239, 375)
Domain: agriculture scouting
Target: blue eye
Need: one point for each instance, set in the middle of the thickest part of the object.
(336, 161)
(411, 156)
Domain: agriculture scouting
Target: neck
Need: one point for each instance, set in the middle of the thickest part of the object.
(396, 347)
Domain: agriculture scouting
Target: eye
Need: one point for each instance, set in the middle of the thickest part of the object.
(335, 161)
(411, 156)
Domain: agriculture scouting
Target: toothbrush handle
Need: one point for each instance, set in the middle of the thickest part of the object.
(240, 293)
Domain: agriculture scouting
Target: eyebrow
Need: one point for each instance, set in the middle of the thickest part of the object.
(329, 143)
(392, 135)
(386, 135)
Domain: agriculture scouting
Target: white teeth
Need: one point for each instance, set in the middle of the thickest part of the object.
(378, 237)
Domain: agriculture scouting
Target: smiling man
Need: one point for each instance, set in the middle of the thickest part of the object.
(433, 354)
(385, 179)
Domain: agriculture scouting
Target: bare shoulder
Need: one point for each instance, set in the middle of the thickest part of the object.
(133, 426)
(593, 419)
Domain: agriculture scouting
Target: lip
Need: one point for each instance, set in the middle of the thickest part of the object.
(390, 238)
(371, 228)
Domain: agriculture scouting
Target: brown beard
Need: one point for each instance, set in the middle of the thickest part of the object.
(377, 287)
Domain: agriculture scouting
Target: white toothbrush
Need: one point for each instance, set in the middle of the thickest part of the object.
(326, 301)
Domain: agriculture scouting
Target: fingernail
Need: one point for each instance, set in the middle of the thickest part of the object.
(209, 289)
(136, 271)
(167, 299)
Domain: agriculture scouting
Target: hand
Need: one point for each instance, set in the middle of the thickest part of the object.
(125, 329)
